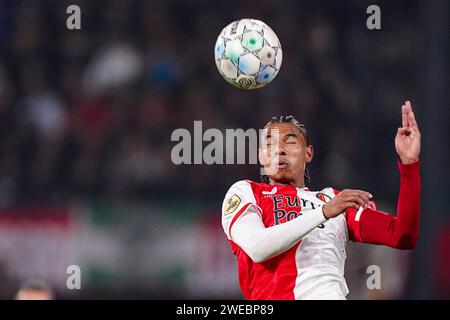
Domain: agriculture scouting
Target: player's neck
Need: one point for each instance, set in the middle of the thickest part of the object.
(299, 183)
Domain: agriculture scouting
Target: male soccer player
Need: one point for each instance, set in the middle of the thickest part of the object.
(290, 241)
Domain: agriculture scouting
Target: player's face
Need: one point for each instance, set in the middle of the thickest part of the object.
(284, 153)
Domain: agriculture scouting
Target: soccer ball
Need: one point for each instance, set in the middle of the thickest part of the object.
(248, 54)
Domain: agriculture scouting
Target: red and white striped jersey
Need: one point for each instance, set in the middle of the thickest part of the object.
(313, 266)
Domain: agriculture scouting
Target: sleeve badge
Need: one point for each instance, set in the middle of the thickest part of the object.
(232, 204)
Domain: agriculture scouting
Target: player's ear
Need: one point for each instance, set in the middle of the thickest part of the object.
(309, 153)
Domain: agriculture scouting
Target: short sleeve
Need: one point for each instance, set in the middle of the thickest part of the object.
(237, 200)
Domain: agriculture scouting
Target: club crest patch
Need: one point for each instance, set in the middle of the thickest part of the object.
(232, 204)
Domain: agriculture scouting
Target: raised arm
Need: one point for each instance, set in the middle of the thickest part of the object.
(402, 231)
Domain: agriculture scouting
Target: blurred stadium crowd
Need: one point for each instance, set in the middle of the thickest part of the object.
(88, 114)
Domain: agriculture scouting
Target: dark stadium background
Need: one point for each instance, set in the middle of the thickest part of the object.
(86, 116)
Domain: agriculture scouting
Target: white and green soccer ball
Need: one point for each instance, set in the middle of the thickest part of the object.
(248, 54)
